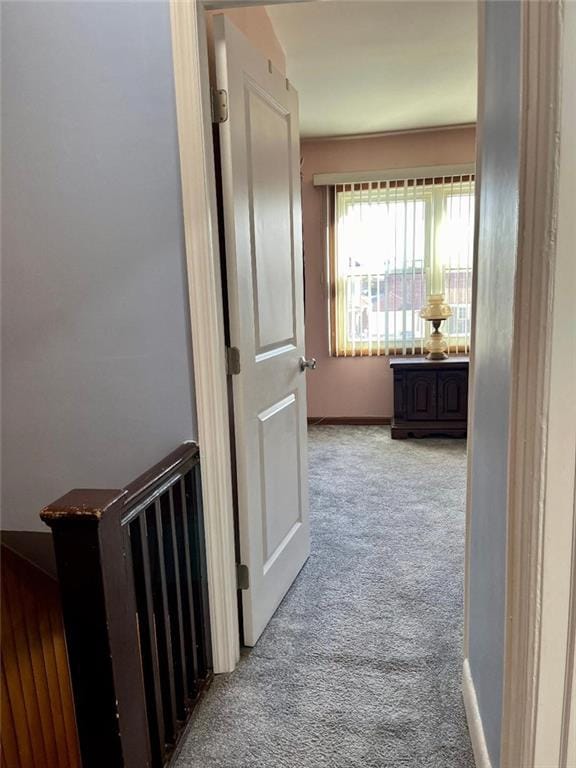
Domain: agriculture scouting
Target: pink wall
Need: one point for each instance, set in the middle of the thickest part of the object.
(357, 387)
(255, 24)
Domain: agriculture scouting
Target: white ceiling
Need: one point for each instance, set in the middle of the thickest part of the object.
(369, 66)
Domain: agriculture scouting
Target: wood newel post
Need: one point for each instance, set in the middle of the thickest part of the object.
(96, 583)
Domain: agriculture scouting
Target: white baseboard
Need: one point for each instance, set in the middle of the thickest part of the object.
(481, 756)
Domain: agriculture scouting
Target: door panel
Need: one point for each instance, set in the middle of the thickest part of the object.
(281, 473)
(421, 387)
(452, 395)
(271, 199)
(259, 149)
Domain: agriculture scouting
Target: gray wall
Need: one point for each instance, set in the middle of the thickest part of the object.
(493, 348)
(96, 365)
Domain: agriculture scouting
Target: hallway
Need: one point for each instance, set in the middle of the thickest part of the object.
(360, 666)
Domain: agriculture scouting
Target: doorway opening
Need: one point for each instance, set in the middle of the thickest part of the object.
(504, 48)
(387, 221)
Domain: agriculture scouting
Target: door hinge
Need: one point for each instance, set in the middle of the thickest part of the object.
(232, 361)
(242, 576)
(219, 105)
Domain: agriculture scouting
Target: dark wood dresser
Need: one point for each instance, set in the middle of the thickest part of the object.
(430, 397)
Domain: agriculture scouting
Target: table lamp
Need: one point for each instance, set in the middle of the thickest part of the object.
(436, 311)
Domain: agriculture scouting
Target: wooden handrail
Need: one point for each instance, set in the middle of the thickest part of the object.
(90, 502)
(132, 572)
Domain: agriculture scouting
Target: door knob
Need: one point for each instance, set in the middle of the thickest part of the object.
(311, 363)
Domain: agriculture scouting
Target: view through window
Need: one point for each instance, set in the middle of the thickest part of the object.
(392, 243)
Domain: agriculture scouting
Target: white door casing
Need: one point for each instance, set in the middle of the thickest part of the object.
(260, 153)
(192, 90)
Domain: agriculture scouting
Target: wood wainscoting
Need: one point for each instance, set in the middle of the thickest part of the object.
(38, 726)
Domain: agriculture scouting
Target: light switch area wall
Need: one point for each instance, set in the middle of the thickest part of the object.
(96, 354)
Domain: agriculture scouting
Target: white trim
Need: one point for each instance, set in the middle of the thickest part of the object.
(391, 174)
(207, 320)
(531, 370)
(481, 756)
(471, 372)
(558, 595)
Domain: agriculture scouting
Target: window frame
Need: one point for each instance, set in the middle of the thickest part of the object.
(458, 345)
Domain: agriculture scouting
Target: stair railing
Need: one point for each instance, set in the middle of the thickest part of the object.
(132, 571)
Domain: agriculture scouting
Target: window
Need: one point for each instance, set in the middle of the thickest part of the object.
(391, 244)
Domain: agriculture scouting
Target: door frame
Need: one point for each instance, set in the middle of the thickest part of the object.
(198, 179)
(538, 693)
(537, 726)
(531, 369)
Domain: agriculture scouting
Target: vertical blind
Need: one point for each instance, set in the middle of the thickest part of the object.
(391, 245)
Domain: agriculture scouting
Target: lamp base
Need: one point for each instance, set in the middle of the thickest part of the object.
(436, 344)
(437, 356)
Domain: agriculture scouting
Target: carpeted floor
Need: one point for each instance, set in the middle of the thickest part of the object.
(360, 666)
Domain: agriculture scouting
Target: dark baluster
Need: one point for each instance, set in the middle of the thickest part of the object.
(201, 533)
(199, 570)
(149, 649)
(162, 621)
(174, 601)
(185, 564)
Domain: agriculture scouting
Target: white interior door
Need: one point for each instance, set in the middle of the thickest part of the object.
(260, 158)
